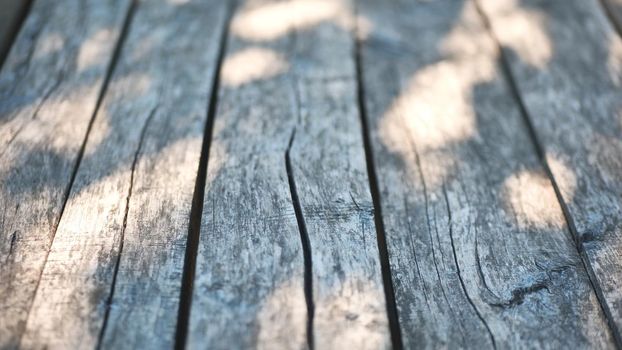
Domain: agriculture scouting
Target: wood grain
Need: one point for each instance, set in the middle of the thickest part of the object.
(479, 249)
(329, 170)
(49, 87)
(573, 98)
(293, 113)
(130, 204)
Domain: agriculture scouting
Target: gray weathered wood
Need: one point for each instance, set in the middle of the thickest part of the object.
(249, 278)
(49, 86)
(10, 18)
(479, 250)
(570, 81)
(329, 170)
(133, 191)
(248, 287)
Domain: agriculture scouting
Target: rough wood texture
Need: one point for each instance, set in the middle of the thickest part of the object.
(479, 249)
(249, 289)
(133, 191)
(573, 96)
(10, 17)
(329, 170)
(49, 86)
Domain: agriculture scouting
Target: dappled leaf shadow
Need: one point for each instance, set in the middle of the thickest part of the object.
(477, 212)
(460, 178)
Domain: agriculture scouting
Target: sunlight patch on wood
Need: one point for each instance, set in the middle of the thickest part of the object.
(435, 111)
(614, 59)
(364, 27)
(274, 332)
(218, 157)
(174, 164)
(68, 130)
(436, 106)
(252, 64)
(272, 21)
(71, 282)
(524, 30)
(468, 37)
(353, 316)
(132, 85)
(565, 178)
(48, 45)
(93, 51)
(530, 193)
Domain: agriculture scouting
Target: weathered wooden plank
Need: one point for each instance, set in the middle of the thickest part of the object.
(10, 19)
(329, 171)
(479, 250)
(49, 87)
(157, 230)
(130, 204)
(248, 287)
(293, 112)
(568, 74)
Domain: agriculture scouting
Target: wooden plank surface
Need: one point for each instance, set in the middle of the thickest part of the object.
(479, 249)
(329, 170)
(130, 203)
(49, 87)
(249, 279)
(292, 113)
(573, 97)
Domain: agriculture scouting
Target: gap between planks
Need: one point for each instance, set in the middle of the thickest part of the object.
(194, 228)
(575, 237)
(389, 292)
(294, 184)
(102, 93)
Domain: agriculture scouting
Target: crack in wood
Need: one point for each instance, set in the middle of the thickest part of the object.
(453, 249)
(108, 304)
(507, 74)
(305, 241)
(100, 97)
(11, 245)
(519, 294)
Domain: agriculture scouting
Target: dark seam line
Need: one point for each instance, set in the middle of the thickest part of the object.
(389, 292)
(102, 93)
(302, 227)
(306, 243)
(11, 36)
(143, 132)
(196, 210)
(514, 91)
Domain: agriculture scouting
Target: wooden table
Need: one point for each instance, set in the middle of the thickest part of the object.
(329, 174)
